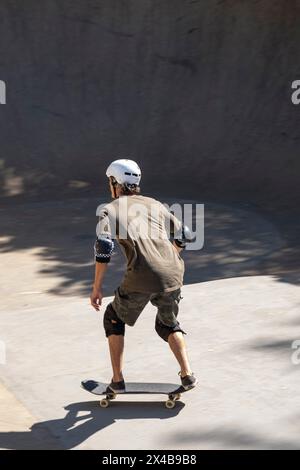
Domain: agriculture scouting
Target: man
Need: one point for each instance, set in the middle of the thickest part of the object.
(154, 267)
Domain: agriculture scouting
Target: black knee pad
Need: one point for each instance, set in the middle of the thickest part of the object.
(164, 331)
(112, 323)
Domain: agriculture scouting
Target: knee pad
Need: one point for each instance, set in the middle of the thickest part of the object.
(164, 331)
(112, 323)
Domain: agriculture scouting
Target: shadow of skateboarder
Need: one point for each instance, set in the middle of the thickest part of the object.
(82, 420)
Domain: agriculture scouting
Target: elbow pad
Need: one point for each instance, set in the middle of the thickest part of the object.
(186, 237)
(103, 249)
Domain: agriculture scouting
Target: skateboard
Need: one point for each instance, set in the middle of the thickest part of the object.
(173, 391)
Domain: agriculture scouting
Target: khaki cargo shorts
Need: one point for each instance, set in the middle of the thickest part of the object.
(127, 307)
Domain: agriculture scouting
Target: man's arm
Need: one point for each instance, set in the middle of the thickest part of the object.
(103, 249)
(96, 295)
(180, 233)
(185, 237)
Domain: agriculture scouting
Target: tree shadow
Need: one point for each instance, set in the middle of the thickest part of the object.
(279, 349)
(239, 241)
(72, 430)
(233, 438)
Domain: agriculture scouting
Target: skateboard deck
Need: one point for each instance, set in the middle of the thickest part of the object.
(173, 391)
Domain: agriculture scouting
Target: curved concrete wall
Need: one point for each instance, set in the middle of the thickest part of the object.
(198, 92)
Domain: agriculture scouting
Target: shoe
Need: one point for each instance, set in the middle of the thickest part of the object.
(117, 387)
(189, 381)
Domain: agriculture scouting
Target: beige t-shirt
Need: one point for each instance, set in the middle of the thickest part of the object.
(140, 225)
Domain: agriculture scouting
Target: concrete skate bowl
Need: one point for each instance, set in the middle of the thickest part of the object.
(199, 93)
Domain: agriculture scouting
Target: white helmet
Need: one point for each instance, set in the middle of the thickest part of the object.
(124, 171)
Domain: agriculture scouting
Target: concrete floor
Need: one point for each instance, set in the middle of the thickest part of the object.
(240, 308)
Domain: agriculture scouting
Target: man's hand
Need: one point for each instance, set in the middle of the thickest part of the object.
(96, 298)
(177, 247)
(96, 295)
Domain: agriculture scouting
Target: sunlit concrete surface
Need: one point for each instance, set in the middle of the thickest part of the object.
(17, 426)
(240, 308)
(240, 336)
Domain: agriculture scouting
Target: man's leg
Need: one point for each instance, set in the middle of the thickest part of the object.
(169, 329)
(177, 345)
(116, 349)
(115, 331)
(128, 306)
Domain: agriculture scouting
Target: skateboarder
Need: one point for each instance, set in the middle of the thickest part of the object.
(154, 267)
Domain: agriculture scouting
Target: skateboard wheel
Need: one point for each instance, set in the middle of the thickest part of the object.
(170, 404)
(104, 403)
